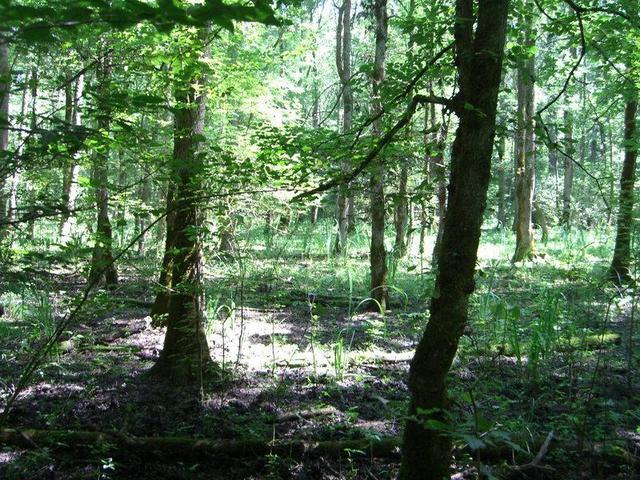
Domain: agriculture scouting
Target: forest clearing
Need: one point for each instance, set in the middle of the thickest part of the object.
(377, 239)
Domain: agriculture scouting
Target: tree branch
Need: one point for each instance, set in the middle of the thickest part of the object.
(383, 142)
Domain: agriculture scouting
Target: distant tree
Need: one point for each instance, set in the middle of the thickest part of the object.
(5, 86)
(567, 183)
(619, 270)
(74, 91)
(343, 64)
(103, 268)
(378, 255)
(524, 143)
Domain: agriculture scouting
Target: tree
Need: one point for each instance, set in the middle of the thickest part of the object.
(343, 64)
(525, 146)
(401, 204)
(567, 184)
(103, 269)
(378, 256)
(4, 122)
(185, 353)
(73, 118)
(619, 271)
(426, 449)
(439, 173)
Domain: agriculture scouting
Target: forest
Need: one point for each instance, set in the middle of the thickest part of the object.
(319, 239)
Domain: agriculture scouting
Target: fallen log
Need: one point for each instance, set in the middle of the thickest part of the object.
(119, 444)
(187, 447)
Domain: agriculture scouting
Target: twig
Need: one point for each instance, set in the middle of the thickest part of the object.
(535, 463)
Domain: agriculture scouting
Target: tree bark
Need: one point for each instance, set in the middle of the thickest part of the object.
(427, 451)
(103, 269)
(185, 353)
(344, 204)
(378, 255)
(619, 271)
(568, 171)
(525, 151)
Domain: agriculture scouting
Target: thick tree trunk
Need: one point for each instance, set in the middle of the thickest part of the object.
(4, 124)
(525, 154)
(73, 118)
(185, 353)
(568, 171)
(427, 450)
(345, 210)
(103, 269)
(378, 255)
(619, 270)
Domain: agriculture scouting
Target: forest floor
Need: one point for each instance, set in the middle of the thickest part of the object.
(549, 348)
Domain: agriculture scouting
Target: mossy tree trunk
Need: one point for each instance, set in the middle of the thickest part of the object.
(619, 270)
(185, 353)
(525, 148)
(427, 451)
(378, 255)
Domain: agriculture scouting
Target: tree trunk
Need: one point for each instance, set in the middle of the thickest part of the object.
(568, 171)
(161, 303)
(401, 213)
(343, 64)
(73, 118)
(103, 269)
(619, 270)
(501, 215)
(427, 450)
(440, 176)
(553, 164)
(4, 124)
(144, 194)
(525, 153)
(185, 353)
(425, 207)
(378, 255)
